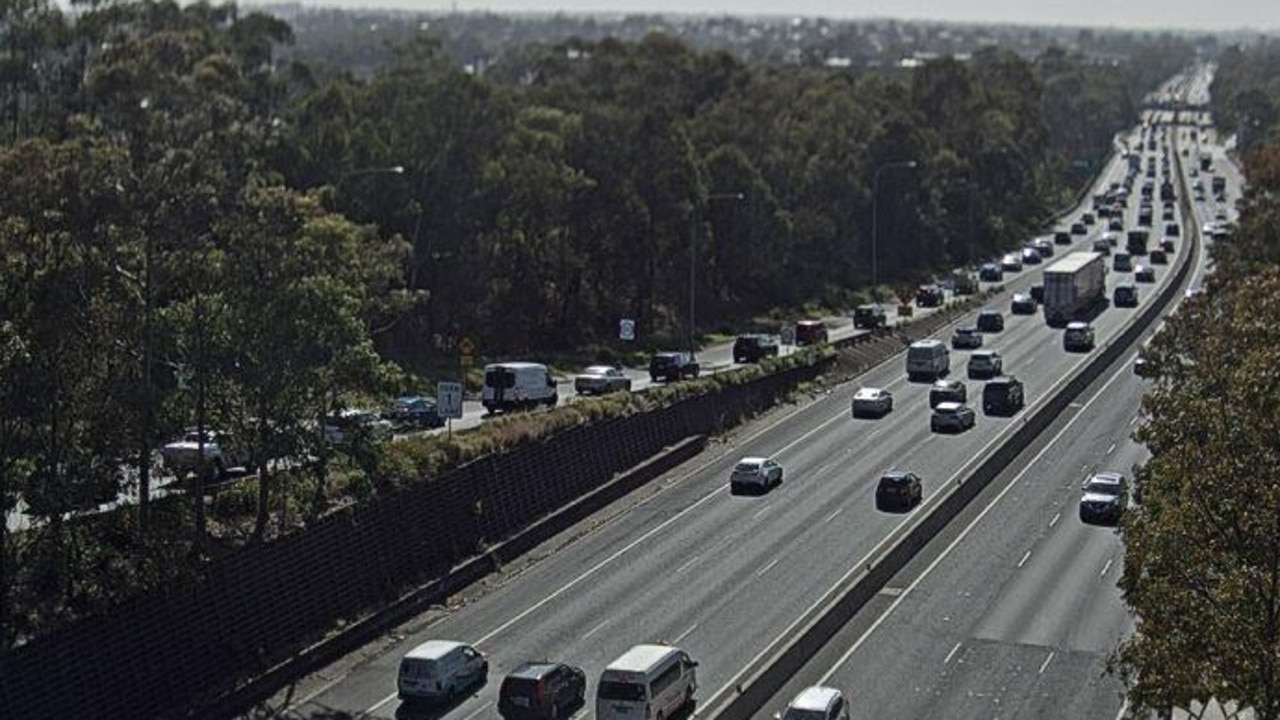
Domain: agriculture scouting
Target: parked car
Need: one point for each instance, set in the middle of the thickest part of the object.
(222, 454)
(899, 489)
(985, 364)
(437, 670)
(944, 391)
(1104, 499)
(1125, 296)
(542, 691)
(990, 272)
(872, 402)
(929, 296)
(1023, 304)
(870, 316)
(811, 332)
(672, 366)
(755, 347)
(990, 320)
(966, 337)
(416, 411)
(1078, 337)
(755, 473)
(601, 379)
(951, 417)
(1144, 274)
(1003, 396)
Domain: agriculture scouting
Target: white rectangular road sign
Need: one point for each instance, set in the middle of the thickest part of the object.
(449, 399)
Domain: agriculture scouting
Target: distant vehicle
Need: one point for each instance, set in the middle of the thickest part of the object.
(1104, 498)
(1079, 228)
(1219, 185)
(816, 703)
(1125, 296)
(990, 320)
(1136, 242)
(899, 489)
(1088, 219)
(1167, 246)
(416, 411)
(1112, 238)
(1141, 367)
(952, 391)
(601, 379)
(964, 282)
(1144, 274)
(951, 417)
(1044, 246)
(929, 296)
(811, 332)
(872, 402)
(643, 684)
(755, 473)
(222, 453)
(1011, 262)
(438, 669)
(1078, 337)
(1158, 257)
(1115, 225)
(966, 338)
(1173, 230)
(758, 346)
(991, 272)
(928, 359)
(517, 385)
(672, 366)
(1030, 256)
(1002, 396)
(985, 364)
(1122, 262)
(1023, 304)
(1072, 285)
(870, 317)
(1037, 293)
(1102, 247)
(1062, 237)
(542, 691)
(354, 424)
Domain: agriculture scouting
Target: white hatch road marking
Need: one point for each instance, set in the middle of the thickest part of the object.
(1105, 568)
(579, 715)
(833, 515)
(826, 677)
(595, 630)
(684, 634)
(762, 511)
(1124, 708)
(1111, 449)
(1025, 556)
(380, 704)
(687, 565)
(1045, 665)
(767, 568)
(1055, 519)
(951, 654)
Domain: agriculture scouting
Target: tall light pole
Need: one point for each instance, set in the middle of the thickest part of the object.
(875, 236)
(693, 255)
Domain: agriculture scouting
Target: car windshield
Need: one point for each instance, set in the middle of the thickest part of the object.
(598, 370)
(612, 690)
(747, 467)
(797, 714)
(1102, 487)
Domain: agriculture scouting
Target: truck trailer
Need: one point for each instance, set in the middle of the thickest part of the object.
(1073, 285)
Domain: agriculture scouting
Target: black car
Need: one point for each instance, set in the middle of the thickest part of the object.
(1037, 293)
(1158, 257)
(1023, 304)
(754, 347)
(670, 366)
(870, 317)
(929, 296)
(547, 690)
(1062, 237)
(1003, 396)
(414, 411)
(1125, 296)
(1104, 498)
(990, 320)
(899, 489)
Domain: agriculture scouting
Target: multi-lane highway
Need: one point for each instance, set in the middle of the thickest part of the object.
(1014, 611)
(721, 575)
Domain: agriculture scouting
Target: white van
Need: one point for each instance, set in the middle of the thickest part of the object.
(437, 669)
(648, 681)
(518, 385)
(928, 360)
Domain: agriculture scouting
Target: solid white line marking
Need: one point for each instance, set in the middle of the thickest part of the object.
(595, 630)
(951, 654)
(1124, 708)
(1055, 519)
(579, 715)
(1025, 556)
(767, 568)
(833, 515)
(1045, 665)
(684, 634)
(686, 566)
(479, 710)
(381, 703)
(1105, 568)
(1111, 449)
(761, 511)
(965, 533)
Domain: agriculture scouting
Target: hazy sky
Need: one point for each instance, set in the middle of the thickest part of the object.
(1261, 15)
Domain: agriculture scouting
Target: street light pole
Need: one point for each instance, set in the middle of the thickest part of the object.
(875, 229)
(693, 248)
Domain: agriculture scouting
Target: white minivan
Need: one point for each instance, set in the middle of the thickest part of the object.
(517, 386)
(437, 669)
(647, 681)
(928, 360)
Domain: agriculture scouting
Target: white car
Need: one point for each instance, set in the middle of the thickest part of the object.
(755, 473)
(220, 452)
(352, 423)
(871, 401)
(816, 703)
(985, 364)
(1011, 262)
(601, 379)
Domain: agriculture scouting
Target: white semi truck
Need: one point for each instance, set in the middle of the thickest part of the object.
(1073, 285)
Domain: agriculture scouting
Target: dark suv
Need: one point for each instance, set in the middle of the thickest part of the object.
(929, 296)
(547, 690)
(752, 348)
(1002, 396)
(990, 320)
(869, 316)
(670, 366)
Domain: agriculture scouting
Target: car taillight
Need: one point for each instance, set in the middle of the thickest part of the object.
(539, 691)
